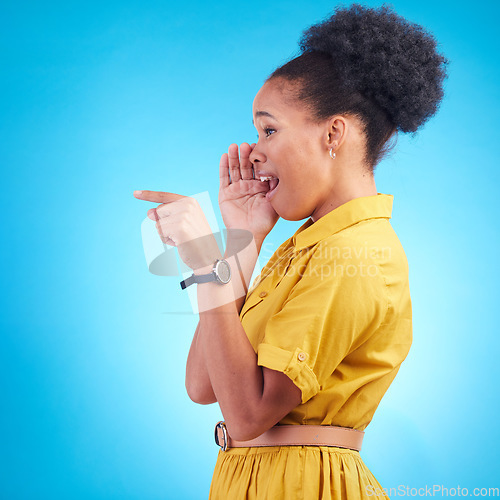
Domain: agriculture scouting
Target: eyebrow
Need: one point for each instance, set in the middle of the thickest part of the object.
(263, 113)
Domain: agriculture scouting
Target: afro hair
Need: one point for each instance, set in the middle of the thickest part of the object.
(373, 63)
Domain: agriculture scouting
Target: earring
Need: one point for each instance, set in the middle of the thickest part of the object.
(332, 154)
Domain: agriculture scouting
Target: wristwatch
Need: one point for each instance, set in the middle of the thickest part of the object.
(221, 274)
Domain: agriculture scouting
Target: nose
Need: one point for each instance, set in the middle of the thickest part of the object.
(256, 156)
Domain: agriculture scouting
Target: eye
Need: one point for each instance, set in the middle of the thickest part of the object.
(268, 132)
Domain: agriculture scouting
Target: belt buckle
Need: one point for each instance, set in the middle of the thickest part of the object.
(221, 425)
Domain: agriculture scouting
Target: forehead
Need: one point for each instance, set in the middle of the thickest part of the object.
(276, 96)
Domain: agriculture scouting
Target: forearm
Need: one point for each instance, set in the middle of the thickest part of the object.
(246, 253)
(236, 379)
(198, 383)
(231, 362)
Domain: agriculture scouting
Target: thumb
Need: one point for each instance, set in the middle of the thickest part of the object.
(152, 214)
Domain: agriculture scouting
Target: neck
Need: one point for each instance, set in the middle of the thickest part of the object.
(354, 184)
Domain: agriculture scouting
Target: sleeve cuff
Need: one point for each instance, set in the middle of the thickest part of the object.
(292, 364)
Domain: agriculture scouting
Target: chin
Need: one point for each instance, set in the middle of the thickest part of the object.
(291, 214)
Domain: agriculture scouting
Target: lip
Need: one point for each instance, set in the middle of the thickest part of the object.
(270, 194)
(260, 174)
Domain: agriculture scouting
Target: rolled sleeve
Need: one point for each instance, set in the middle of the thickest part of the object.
(293, 364)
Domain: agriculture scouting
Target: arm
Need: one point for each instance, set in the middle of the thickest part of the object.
(198, 385)
(252, 398)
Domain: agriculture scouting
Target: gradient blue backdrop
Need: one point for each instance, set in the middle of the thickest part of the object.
(98, 99)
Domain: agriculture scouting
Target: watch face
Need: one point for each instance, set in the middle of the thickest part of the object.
(223, 271)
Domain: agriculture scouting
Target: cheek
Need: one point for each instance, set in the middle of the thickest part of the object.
(306, 148)
(298, 161)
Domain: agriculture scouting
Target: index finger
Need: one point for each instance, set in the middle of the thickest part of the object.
(157, 196)
(245, 164)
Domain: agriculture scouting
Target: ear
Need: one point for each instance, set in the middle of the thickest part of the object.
(337, 127)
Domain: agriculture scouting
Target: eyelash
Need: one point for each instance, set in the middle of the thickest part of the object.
(267, 130)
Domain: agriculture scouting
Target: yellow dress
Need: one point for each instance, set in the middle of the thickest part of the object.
(338, 292)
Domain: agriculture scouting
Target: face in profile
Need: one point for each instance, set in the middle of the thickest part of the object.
(291, 148)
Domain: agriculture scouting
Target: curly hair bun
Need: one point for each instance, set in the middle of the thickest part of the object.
(386, 58)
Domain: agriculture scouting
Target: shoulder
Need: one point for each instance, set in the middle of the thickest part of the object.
(371, 242)
(344, 269)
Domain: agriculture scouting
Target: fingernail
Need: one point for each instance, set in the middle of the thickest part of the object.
(137, 193)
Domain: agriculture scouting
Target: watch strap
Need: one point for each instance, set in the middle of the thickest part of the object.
(201, 278)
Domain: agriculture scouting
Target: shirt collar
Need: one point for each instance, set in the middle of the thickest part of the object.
(351, 212)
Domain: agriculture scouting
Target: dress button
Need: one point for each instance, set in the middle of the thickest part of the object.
(302, 356)
(262, 294)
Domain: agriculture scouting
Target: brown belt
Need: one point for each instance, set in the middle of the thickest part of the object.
(290, 435)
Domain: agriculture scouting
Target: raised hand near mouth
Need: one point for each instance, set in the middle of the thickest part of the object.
(242, 199)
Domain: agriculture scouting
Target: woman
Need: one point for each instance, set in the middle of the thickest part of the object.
(300, 362)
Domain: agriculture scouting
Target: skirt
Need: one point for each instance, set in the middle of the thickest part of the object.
(293, 473)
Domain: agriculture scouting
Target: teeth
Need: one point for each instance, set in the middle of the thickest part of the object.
(262, 179)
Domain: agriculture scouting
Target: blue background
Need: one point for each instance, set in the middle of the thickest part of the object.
(98, 99)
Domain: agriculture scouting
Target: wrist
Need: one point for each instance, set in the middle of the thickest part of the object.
(205, 269)
(259, 240)
(238, 239)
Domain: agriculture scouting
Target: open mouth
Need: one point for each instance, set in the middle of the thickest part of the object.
(273, 185)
